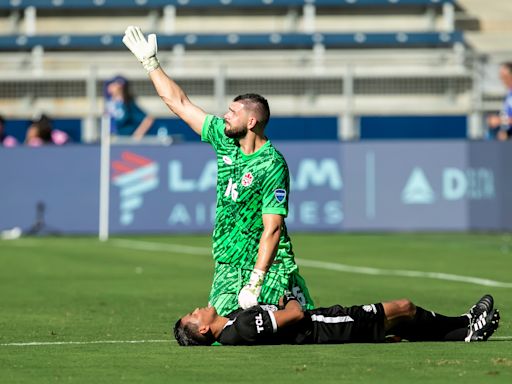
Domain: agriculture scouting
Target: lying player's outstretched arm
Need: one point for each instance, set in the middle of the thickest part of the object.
(170, 92)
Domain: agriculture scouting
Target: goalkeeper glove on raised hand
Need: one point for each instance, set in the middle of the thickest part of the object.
(144, 50)
(248, 296)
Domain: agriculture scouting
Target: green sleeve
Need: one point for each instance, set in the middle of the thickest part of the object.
(275, 189)
(213, 131)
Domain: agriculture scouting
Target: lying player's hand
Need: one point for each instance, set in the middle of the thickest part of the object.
(248, 296)
(287, 297)
(144, 50)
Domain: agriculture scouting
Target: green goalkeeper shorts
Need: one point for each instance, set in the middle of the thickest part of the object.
(229, 280)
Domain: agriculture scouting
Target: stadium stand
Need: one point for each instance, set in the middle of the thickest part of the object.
(342, 59)
(239, 41)
(228, 24)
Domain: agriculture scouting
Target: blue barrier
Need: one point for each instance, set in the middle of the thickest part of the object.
(279, 128)
(391, 186)
(413, 127)
(294, 128)
(289, 128)
(92, 4)
(239, 41)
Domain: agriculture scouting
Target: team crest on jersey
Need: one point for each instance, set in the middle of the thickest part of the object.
(247, 179)
(370, 308)
(280, 195)
(269, 307)
(227, 160)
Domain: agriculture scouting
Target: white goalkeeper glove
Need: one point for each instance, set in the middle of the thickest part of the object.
(248, 296)
(144, 50)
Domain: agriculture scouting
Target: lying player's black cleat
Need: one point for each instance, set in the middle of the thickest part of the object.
(485, 304)
(482, 325)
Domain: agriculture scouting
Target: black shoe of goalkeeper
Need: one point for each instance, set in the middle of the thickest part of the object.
(483, 326)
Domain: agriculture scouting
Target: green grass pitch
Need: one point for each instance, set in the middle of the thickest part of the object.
(74, 294)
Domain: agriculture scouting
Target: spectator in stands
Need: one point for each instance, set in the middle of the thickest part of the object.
(500, 125)
(41, 132)
(2, 125)
(5, 140)
(127, 118)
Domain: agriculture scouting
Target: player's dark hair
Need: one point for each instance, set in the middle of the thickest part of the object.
(188, 335)
(43, 128)
(507, 65)
(2, 126)
(259, 103)
(127, 92)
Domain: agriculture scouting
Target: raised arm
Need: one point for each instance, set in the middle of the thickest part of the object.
(177, 101)
(170, 92)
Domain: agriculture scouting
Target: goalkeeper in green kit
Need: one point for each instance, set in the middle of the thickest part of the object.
(254, 260)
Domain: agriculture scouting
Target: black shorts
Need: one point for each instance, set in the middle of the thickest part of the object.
(357, 324)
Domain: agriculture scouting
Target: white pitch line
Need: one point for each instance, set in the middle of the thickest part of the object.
(42, 343)
(402, 273)
(508, 338)
(177, 248)
(64, 343)
(150, 246)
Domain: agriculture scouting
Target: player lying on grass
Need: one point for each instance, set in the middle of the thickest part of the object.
(374, 323)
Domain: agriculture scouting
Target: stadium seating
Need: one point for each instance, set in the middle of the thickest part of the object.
(144, 4)
(240, 41)
(323, 57)
(228, 24)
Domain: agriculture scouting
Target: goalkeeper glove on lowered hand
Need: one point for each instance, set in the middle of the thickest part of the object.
(144, 50)
(248, 296)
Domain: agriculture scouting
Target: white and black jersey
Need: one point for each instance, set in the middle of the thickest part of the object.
(336, 324)
(253, 326)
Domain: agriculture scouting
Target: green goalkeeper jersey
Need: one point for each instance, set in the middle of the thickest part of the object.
(248, 186)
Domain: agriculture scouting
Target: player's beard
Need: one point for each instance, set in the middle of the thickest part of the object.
(235, 132)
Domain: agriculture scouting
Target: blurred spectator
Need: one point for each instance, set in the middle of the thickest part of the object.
(126, 116)
(38, 133)
(2, 126)
(41, 132)
(500, 125)
(6, 141)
